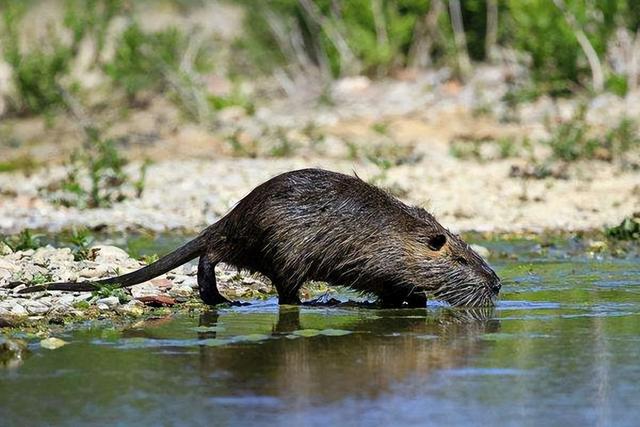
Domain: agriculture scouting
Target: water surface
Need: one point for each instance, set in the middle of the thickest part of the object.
(561, 348)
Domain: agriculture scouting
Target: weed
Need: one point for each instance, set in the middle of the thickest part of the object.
(35, 71)
(41, 279)
(25, 240)
(82, 305)
(80, 241)
(381, 128)
(26, 164)
(575, 139)
(283, 146)
(628, 229)
(114, 290)
(149, 259)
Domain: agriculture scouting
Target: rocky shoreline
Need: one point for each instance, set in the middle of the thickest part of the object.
(47, 264)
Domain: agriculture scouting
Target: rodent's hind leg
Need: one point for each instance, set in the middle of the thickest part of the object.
(207, 282)
(287, 291)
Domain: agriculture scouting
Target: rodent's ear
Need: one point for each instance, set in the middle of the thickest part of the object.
(437, 241)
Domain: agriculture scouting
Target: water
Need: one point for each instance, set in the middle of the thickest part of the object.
(561, 348)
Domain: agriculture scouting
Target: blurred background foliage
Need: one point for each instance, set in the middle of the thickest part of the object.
(567, 45)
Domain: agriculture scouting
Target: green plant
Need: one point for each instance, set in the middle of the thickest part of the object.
(90, 18)
(36, 70)
(80, 240)
(628, 229)
(41, 279)
(114, 290)
(149, 259)
(575, 139)
(283, 146)
(23, 241)
(145, 62)
(96, 175)
(82, 305)
(381, 128)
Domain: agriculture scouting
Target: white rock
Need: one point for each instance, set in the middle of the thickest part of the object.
(94, 272)
(52, 343)
(5, 249)
(5, 276)
(110, 302)
(145, 289)
(35, 307)
(181, 291)
(19, 288)
(66, 300)
(50, 255)
(8, 266)
(103, 307)
(106, 254)
(18, 310)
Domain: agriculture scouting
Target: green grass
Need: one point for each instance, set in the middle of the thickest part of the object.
(23, 241)
(576, 139)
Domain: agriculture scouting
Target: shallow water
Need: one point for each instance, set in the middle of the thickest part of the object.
(561, 348)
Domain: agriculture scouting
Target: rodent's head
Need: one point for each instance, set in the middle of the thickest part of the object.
(447, 268)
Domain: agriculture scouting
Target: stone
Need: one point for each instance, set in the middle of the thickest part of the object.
(5, 249)
(107, 254)
(181, 291)
(35, 307)
(18, 310)
(110, 302)
(161, 283)
(144, 290)
(103, 307)
(7, 265)
(94, 272)
(158, 301)
(12, 352)
(133, 308)
(52, 343)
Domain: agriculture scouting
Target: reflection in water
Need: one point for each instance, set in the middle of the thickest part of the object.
(382, 350)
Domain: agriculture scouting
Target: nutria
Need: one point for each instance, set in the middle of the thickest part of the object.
(313, 224)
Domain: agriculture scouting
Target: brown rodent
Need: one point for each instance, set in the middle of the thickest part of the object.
(313, 224)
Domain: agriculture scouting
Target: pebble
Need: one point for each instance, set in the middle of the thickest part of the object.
(35, 307)
(145, 289)
(59, 265)
(181, 291)
(107, 254)
(52, 343)
(133, 308)
(110, 302)
(18, 310)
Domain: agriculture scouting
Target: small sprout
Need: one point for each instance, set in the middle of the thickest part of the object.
(149, 259)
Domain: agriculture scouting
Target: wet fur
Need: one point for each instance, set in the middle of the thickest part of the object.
(313, 224)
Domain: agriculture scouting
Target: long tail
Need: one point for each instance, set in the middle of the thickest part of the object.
(182, 255)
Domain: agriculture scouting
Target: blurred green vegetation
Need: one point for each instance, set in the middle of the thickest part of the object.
(338, 38)
(376, 37)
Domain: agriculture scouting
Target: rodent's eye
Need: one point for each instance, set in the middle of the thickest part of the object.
(437, 242)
